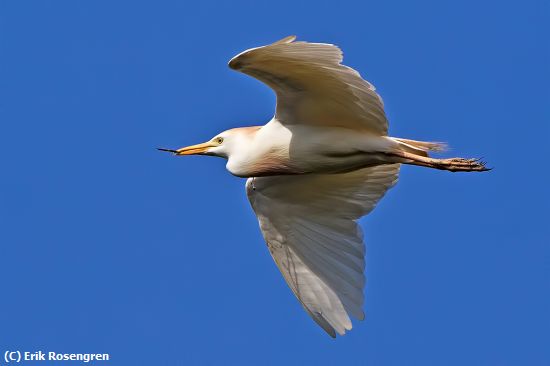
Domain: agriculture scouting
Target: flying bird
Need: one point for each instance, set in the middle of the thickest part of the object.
(322, 162)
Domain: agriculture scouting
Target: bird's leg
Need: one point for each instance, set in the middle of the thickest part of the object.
(452, 164)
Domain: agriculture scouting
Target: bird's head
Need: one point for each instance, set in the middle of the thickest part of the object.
(220, 145)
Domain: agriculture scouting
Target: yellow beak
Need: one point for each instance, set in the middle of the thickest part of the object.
(191, 150)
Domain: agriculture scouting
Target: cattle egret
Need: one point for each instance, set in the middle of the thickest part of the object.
(322, 162)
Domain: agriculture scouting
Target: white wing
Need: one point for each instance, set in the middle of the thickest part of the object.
(309, 223)
(312, 86)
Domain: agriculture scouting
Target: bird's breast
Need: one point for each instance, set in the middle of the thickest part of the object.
(267, 164)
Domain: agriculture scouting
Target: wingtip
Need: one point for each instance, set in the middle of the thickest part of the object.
(235, 63)
(239, 61)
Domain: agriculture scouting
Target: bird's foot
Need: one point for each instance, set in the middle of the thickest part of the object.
(461, 165)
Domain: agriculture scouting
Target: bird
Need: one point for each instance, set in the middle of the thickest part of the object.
(322, 162)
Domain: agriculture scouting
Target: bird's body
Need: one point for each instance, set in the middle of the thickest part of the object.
(271, 150)
(321, 163)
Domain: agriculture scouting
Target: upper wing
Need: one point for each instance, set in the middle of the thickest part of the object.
(310, 225)
(312, 86)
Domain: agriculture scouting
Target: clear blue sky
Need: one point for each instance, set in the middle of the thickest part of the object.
(107, 245)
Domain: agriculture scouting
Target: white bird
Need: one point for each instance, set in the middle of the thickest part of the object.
(321, 163)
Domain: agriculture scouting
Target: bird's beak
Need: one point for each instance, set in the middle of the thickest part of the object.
(191, 150)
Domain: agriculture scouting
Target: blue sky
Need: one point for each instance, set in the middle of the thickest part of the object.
(107, 245)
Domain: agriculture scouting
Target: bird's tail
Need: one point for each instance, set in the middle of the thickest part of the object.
(416, 153)
(420, 147)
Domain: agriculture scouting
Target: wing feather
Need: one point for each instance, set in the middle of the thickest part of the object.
(313, 87)
(310, 226)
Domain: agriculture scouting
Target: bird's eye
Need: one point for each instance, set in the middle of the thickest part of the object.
(219, 140)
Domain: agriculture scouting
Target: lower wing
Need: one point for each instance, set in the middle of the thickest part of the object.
(309, 223)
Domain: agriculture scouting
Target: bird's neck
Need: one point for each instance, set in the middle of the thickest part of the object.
(261, 151)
